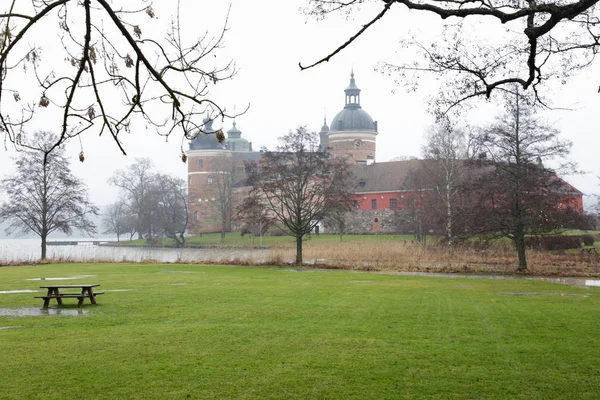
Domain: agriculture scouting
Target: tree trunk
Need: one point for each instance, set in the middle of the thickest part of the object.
(520, 245)
(298, 249)
(44, 246)
(448, 215)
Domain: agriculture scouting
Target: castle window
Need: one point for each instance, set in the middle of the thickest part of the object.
(195, 215)
(362, 183)
(374, 204)
(210, 180)
(201, 163)
(376, 220)
(189, 180)
(393, 204)
(356, 204)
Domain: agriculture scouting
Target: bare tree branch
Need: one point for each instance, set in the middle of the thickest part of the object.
(137, 71)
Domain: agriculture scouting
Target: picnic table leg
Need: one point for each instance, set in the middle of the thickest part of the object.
(54, 291)
(46, 302)
(91, 294)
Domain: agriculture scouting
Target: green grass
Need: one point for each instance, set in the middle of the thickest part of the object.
(204, 332)
(234, 239)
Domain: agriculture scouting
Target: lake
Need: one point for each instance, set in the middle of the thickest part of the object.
(28, 250)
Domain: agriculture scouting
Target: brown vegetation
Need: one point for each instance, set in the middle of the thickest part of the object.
(498, 258)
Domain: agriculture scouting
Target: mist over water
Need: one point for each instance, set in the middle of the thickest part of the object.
(28, 250)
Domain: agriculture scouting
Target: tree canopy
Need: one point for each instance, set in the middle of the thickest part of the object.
(44, 196)
(515, 194)
(300, 185)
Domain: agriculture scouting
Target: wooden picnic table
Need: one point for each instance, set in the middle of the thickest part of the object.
(54, 293)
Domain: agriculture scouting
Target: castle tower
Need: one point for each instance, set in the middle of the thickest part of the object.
(353, 133)
(235, 142)
(324, 137)
(205, 159)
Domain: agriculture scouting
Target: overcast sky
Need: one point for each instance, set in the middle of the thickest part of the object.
(267, 39)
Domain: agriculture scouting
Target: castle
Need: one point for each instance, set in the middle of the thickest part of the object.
(385, 191)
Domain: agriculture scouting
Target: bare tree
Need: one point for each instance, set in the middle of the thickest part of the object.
(223, 177)
(44, 196)
(135, 182)
(538, 41)
(419, 205)
(116, 219)
(516, 194)
(115, 68)
(300, 185)
(337, 221)
(169, 198)
(445, 153)
(253, 215)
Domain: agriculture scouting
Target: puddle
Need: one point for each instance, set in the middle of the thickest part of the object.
(179, 284)
(36, 312)
(543, 294)
(66, 278)
(566, 280)
(10, 327)
(180, 272)
(18, 291)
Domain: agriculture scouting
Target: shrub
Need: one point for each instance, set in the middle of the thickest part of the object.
(534, 242)
(154, 242)
(277, 231)
(587, 239)
(554, 242)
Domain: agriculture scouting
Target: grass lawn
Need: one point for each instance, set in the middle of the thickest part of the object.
(203, 332)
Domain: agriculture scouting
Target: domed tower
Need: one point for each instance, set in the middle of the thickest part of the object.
(353, 133)
(235, 142)
(205, 159)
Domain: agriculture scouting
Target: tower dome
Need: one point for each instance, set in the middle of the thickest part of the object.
(353, 117)
(235, 142)
(206, 139)
(352, 133)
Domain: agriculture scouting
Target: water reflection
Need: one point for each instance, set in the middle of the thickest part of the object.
(27, 251)
(542, 294)
(66, 278)
(36, 312)
(18, 291)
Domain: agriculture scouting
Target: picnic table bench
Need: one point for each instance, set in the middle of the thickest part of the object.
(589, 250)
(54, 293)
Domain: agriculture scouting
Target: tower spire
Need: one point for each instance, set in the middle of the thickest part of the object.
(352, 93)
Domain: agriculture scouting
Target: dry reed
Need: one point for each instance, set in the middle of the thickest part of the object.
(400, 256)
(499, 258)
